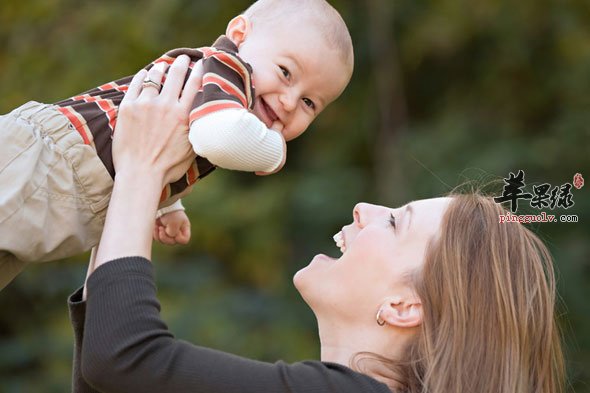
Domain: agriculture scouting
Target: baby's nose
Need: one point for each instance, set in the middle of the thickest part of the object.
(289, 101)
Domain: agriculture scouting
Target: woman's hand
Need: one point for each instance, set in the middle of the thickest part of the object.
(151, 136)
(150, 149)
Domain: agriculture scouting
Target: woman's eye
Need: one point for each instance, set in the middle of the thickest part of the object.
(309, 103)
(285, 72)
(392, 220)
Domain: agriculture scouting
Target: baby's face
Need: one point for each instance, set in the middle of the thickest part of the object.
(296, 75)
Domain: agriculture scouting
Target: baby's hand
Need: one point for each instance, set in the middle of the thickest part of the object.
(277, 127)
(173, 228)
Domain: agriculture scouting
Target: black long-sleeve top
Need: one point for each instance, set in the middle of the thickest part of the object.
(122, 345)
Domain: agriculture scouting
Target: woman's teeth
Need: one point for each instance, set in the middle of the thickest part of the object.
(339, 239)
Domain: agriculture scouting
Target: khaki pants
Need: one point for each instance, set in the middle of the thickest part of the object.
(54, 190)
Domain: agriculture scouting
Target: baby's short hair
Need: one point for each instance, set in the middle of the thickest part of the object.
(319, 12)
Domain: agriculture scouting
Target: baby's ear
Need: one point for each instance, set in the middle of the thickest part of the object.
(237, 29)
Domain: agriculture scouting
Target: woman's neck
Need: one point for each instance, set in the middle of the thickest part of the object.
(360, 347)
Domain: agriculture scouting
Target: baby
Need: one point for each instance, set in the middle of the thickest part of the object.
(277, 67)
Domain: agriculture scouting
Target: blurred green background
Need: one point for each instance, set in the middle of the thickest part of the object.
(444, 92)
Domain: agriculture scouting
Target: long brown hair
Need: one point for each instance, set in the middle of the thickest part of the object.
(488, 295)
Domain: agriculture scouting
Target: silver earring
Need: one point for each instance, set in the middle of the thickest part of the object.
(380, 321)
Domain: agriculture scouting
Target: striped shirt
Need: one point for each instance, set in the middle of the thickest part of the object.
(227, 83)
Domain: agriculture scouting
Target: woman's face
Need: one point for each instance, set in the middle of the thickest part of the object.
(381, 248)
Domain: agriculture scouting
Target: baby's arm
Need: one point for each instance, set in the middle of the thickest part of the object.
(236, 139)
(222, 129)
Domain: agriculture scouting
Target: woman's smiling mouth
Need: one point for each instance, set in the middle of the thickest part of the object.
(339, 239)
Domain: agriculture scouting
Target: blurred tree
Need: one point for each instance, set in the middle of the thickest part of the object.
(444, 92)
(390, 99)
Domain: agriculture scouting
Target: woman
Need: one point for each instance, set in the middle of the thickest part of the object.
(435, 296)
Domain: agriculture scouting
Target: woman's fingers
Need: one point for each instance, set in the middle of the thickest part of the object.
(154, 127)
(135, 85)
(192, 86)
(175, 78)
(152, 83)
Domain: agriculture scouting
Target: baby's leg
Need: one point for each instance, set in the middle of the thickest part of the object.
(54, 191)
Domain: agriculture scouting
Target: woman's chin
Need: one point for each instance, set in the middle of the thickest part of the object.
(313, 274)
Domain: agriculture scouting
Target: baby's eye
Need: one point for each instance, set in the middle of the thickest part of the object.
(285, 72)
(392, 220)
(309, 103)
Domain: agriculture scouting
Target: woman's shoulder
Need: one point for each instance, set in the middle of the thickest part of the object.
(309, 374)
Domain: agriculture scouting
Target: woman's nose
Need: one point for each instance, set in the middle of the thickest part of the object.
(363, 213)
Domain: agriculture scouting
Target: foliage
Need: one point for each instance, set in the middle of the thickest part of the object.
(444, 92)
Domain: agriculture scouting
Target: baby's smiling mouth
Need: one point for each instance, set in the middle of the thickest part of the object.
(269, 111)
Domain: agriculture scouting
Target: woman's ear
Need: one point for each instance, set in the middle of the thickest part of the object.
(400, 313)
(237, 29)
